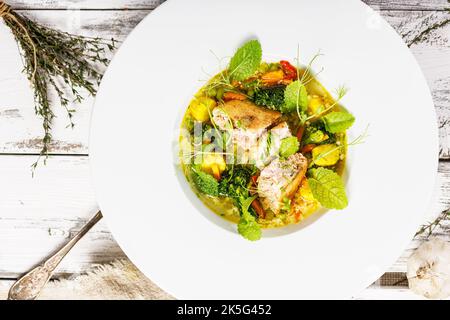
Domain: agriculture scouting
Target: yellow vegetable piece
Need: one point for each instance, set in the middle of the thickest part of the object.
(315, 105)
(304, 203)
(214, 164)
(326, 155)
(201, 107)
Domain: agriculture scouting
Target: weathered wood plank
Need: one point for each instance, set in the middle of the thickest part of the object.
(20, 129)
(150, 4)
(371, 293)
(39, 214)
(84, 4)
(408, 4)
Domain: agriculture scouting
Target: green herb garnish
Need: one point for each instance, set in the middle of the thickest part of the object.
(289, 146)
(295, 97)
(205, 182)
(338, 121)
(245, 61)
(327, 188)
(247, 226)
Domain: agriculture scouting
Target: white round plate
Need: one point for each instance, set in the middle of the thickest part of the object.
(167, 232)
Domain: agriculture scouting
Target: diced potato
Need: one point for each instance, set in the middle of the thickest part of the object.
(326, 155)
(214, 164)
(201, 107)
(304, 204)
(315, 105)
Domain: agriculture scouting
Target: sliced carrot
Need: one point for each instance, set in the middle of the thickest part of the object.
(272, 77)
(300, 132)
(308, 148)
(256, 205)
(254, 180)
(227, 96)
(215, 171)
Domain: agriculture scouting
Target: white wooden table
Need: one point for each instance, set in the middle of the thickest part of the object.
(39, 214)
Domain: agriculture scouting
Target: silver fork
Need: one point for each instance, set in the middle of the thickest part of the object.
(30, 285)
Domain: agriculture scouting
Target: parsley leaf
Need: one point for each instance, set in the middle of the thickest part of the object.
(247, 226)
(327, 188)
(289, 146)
(338, 121)
(245, 61)
(295, 95)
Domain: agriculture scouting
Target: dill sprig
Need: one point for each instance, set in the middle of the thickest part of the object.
(59, 61)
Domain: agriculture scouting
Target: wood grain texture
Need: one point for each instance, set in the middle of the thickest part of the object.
(39, 214)
(371, 293)
(84, 4)
(150, 4)
(409, 5)
(20, 129)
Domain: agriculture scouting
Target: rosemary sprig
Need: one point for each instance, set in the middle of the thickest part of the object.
(59, 61)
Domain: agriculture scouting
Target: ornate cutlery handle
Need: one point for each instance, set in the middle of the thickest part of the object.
(30, 285)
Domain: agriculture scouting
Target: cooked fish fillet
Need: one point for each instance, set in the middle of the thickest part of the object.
(269, 144)
(280, 179)
(246, 115)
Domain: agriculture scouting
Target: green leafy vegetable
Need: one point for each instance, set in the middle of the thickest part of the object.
(245, 61)
(289, 146)
(286, 205)
(327, 188)
(272, 98)
(295, 97)
(234, 183)
(314, 135)
(247, 226)
(205, 183)
(338, 121)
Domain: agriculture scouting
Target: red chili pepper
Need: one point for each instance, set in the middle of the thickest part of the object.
(290, 72)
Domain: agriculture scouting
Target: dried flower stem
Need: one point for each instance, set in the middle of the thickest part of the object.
(59, 61)
(430, 227)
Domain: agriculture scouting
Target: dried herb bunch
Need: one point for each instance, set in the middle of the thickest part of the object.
(59, 61)
(427, 229)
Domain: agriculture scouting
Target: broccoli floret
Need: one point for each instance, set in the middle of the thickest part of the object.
(312, 132)
(205, 182)
(272, 98)
(234, 183)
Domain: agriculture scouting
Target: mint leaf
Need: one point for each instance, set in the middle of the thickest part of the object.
(205, 183)
(245, 61)
(295, 94)
(327, 188)
(338, 121)
(289, 146)
(247, 226)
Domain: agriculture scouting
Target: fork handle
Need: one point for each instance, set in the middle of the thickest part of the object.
(30, 285)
